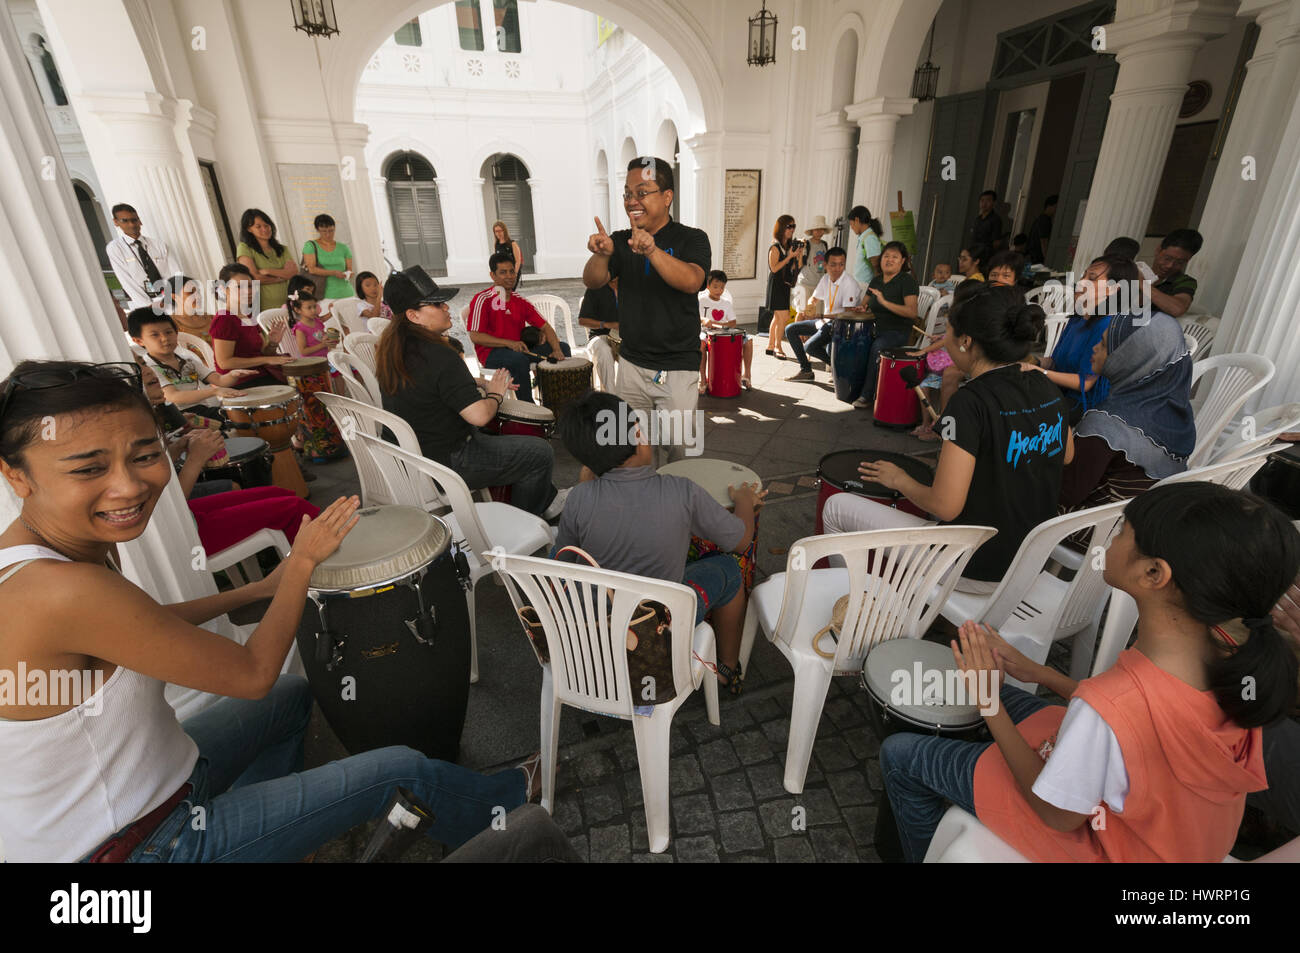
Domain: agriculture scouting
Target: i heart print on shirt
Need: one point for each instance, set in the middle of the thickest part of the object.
(718, 314)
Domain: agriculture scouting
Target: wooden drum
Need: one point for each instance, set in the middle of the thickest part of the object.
(272, 414)
(715, 476)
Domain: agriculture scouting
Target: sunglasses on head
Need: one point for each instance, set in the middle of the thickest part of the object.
(46, 379)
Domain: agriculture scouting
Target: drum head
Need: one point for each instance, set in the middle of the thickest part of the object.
(525, 411)
(925, 678)
(273, 395)
(840, 470)
(714, 475)
(245, 448)
(899, 354)
(306, 367)
(565, 364)
(388, 542)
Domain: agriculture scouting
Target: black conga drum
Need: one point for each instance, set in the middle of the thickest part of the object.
(385, 635)
(1279, 480)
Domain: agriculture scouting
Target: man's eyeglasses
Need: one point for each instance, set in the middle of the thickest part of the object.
(128, 221)
(44, 379)
(639, 195)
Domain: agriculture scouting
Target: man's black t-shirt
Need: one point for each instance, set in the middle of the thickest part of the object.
(441, 386)
(1013, 422)
(1041, 229)
(985, 231)
(599, 304)
(659, 325)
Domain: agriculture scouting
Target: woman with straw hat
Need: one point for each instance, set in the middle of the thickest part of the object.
(814, 265)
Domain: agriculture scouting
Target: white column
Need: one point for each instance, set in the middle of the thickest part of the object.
(1259, 316)
(706, 148)
(600, 199)
(541, 256)
(358, 197)
(57, 306)
(833, 164)
(877, 119)
(1234, 196)
(1155, 52)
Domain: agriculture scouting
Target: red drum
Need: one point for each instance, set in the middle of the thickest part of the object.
(726, 354)
(896, 402)
(839, 474)
(519, 418)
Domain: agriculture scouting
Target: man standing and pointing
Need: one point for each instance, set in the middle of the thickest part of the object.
(660, 265)
(142, 265)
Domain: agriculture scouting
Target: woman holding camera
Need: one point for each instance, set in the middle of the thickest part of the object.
(784, 259)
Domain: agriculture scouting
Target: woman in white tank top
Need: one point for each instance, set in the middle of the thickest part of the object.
(95, 762)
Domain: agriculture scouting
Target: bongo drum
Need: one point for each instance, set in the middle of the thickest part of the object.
(726, 350)
(246, 460)
(563, 382)
(838, 473)
(1279, 480)
(715, 476)
(915, 685)
(896, 402)
(519, 418)
(271, 413)
(321, 439)
(385, 635)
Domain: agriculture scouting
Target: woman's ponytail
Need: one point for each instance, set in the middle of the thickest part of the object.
(1255, 684)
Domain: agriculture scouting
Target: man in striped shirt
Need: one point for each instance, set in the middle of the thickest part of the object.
(496, 319)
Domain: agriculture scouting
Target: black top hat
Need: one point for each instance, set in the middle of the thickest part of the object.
(413, 288)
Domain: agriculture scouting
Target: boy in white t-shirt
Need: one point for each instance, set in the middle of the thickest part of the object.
(718, 313)
(836, 293)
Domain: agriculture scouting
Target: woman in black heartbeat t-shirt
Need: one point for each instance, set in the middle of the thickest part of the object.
(1005, 436)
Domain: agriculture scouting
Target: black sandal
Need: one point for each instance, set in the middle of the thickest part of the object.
(735, 678)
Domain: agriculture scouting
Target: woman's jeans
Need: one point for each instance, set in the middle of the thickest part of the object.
(251, 800)
(923, 774)
(521, 462)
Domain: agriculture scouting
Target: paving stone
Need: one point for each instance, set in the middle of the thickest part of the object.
(747, 859)
(778, 817)
(684, 775)
(696, 850)
(594, 767)
(693, 814)
(678, 743)
(640, 839)
(717, 758)
(731, 791)
(580, 847)
(834, 754)
(833, 846)
(765, 779)
(794, 850)
(751, 747)
(567, 815)
(777, 731)
(868, 855)
(632, 790)
(763, 709)
(863, 743)
(861, 822)
(740, 831)
(873, 775)
(819, 807)
(609, 845)
(844, 713)
(600, 803)
(664, 858)
(850, 787)
(625, 753)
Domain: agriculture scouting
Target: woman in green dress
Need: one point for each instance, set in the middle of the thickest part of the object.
(269, 262)
(329, 259)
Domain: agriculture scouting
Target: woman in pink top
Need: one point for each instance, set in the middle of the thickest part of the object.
(1153, 758)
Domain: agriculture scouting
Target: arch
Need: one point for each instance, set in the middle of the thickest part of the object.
(626, 153)
(844, 70)
(415, 207)
(849, 29)
(408, 166)
(892, 48)
(379, 154)
(508, 197)
(500, 147)
(668, 146)
(601, 192)
(93, 215)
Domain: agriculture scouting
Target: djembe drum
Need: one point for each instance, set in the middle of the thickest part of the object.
(715, 476)
(563, 382)
(271, 413)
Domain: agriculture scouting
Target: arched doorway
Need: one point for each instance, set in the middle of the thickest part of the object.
(507, 197)
(94, 217)
(668, 146)
(417, 213)
(601, 187)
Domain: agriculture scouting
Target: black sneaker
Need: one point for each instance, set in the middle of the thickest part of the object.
(805, 376)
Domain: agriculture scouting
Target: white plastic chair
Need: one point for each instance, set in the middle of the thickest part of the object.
(926, 297)
(1192, 345)
(486, 528)
(1202, 327)
(887, 602)
(359, 381)
(585, 614)
(239, 561)
(556, 311)
(1031, 607)
(1050, 297)
(936, 319)
(1266, 426)
(346, 309)
(362, 347)
(354, 417)
(198, 347)
(377, 326)
(1236, 378)
(1053, 328)
(272, 318)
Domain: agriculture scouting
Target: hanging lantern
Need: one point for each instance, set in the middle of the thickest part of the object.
(762, 38)
(925, 82)
(315, 17)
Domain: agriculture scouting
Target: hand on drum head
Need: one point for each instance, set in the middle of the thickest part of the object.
(500, 382)
(202, 444)
(750, 492)
(246, 372)
(976, 654)
(227, 392)
(887, 474)
(319, 538)
(600, 243)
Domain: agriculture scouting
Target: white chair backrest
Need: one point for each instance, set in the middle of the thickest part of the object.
(414, 480)
(1202, 327)
(271, 318)
(585, 612)
(185, 354)
(1086, 592)
(925, 299)
(359, 380)
(1050, 297)
(1266, 426)
(888, 600)
(1053, 328)
(377, 326)
(556, 311)
(345, 309)
(354, 417)
(198, 347)
(362, 347)
(1234, 473)
(1193, 344)
(1236, 377)
(936, 319)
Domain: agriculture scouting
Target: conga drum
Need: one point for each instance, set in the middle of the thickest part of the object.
(716, 476)
(850, 356)
(562, 382)
(519, 418)
(321, 440)
(247, 460)
(915, 685)
(896, 403)
(838, 473)
(726, 353)
(272, 414)
(1279, 480)
(385, 635)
